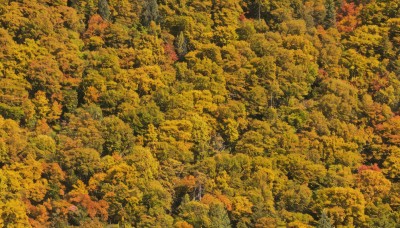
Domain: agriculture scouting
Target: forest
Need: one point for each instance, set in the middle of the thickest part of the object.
(200, 113)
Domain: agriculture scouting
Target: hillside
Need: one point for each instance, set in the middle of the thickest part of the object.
(200, 113)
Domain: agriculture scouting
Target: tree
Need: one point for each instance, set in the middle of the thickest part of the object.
(225, 15)
(104, 10)
(119, 187)
(181, 45)
(347, 19)
(259, 5)
(324, 221)
(373, 185)
(218, 216)
(346, 206)
(330, 18)
(117, 135)
(45, 75)
(194, 213)
(150, 12)
(81, 162)
(13, 212)
(242, 208)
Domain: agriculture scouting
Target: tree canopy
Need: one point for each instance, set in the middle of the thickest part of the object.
(200, 113)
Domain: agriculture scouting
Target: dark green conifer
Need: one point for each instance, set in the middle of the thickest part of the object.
(104, 10)
(325, 221)
(150, 12)
(330, 18)
(181, 45)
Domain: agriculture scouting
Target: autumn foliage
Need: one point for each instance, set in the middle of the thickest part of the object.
(224, 113)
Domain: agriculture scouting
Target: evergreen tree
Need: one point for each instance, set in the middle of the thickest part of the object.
(104, 10)
(325, 221)
(150, 12)
(330, 18)
(181, 45)
(71, 3)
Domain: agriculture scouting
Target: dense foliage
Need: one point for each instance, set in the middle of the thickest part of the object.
(200, 113)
